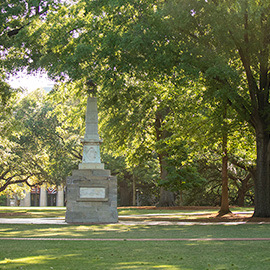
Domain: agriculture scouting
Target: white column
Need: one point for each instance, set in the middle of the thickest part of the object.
(26, 201)
(43, 196)
(60, 196)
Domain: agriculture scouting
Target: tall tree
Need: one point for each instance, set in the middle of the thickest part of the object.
(224, 44)
(231, 49)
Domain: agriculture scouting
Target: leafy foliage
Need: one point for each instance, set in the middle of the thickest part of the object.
(34, 147)
(165, 70)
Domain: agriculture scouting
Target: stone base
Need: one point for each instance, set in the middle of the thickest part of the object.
(91, 166)
(91, 197)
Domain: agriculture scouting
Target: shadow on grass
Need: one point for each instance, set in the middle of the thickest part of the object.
(134, 255)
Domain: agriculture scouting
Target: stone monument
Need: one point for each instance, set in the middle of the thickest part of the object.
(91, 190)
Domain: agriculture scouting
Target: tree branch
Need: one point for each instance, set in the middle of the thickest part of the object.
(10, 182)
(245, 167)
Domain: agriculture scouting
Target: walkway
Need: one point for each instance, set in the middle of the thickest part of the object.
(61, 221)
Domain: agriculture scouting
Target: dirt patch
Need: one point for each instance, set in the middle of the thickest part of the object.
(230, 218)
(216, 218)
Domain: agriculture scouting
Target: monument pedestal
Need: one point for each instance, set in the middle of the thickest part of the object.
(91, 197)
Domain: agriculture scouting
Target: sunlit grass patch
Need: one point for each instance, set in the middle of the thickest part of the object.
(32, 212)
(27, 260)
(32, 261)
(145, 265)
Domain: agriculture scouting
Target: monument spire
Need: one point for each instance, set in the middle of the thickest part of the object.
(91, 141)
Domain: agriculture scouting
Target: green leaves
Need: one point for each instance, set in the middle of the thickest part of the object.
(36, 147)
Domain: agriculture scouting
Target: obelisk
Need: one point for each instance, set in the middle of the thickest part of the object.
(91, 193)
(91, 141)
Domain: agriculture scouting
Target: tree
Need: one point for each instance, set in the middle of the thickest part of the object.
(231, 49)
(222, 44)
(16, 18)
(34, 146)
(133, 125)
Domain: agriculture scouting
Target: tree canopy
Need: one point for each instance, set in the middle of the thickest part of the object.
(150, 57)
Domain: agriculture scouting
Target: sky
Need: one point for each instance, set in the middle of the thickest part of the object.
(30, 82)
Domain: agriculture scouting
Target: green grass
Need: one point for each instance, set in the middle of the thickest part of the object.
(23, 254)
(133, 255)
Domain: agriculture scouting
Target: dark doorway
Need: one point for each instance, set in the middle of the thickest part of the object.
(34, 199)
(35, 196)
(51, 196)
(51, 199)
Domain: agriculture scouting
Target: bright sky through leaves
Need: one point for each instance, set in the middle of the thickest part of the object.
(30, 82)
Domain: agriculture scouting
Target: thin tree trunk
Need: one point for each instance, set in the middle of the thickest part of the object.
(224, 209)
(134, 191)
(243, 190)
(166, 197)
(241, 197)
(181, 198)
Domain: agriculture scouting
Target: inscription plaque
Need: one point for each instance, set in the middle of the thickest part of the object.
(92, 193)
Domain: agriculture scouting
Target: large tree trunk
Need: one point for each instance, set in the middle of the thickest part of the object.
(259, 91)
(262, 178)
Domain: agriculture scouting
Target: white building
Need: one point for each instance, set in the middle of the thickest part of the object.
(40, 196)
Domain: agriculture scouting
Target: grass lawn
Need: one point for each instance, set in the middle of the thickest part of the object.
(133, 255)
(23, 254)
(57, 254)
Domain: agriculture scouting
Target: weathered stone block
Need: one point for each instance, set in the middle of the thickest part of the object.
(91, 197)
